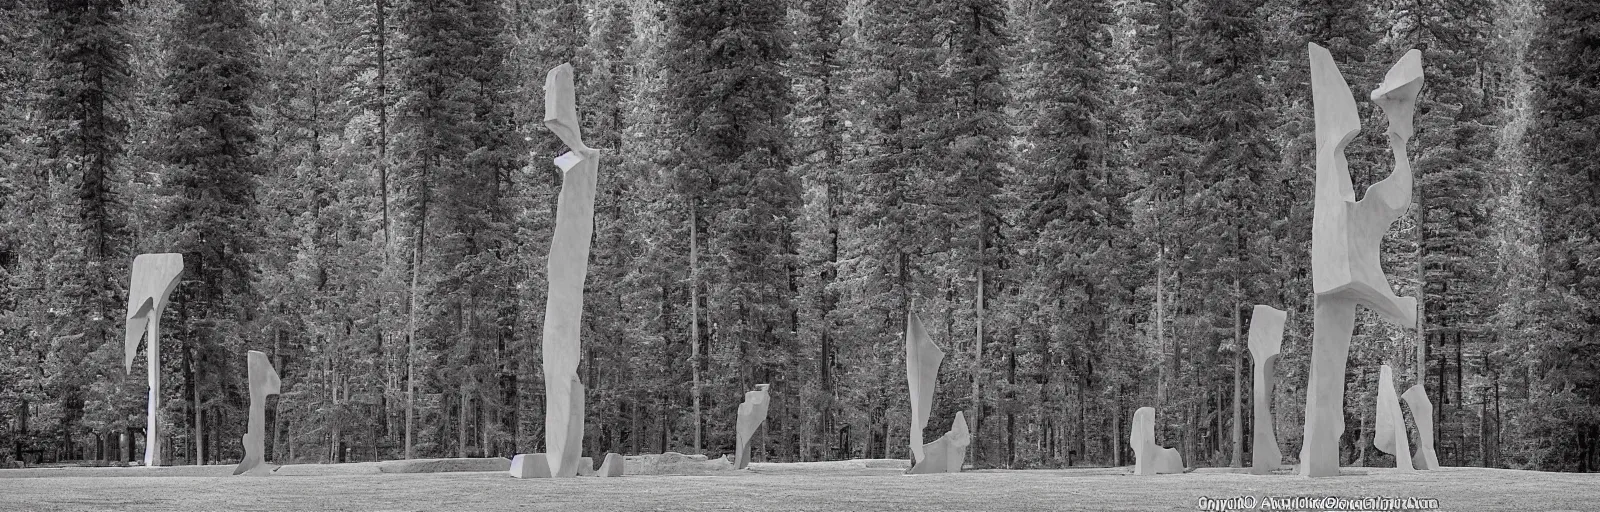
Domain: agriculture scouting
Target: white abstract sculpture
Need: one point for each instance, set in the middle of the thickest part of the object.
(1422, 411)
(1345, 238)
(922, 373)
(948, 453)
(1391, 426)
(154, 276)
(263, 381)
(752, 413)
(1266, 339)
(1150, 458)
(567, 268)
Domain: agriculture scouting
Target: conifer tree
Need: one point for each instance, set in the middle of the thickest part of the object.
(730, 100)
(1236, 160)
(86, 80)
(977, 133)
(209, 151)
(819, 152)
(894, 225)
(1073, 222)
(1564, 56)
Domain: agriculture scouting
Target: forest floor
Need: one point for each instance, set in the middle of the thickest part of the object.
(765, 487)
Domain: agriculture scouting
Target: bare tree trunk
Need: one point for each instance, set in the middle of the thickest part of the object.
(1161, 328)
(1421, 213)
(1483, 421)
(1238, 381)
(694, 317)
(1011, 416)
(1461, 427)
(977, 371)
(461, 423)
(411, 337)
(199, 423)
(335, 421)
(1116, 428)
(1362, 440)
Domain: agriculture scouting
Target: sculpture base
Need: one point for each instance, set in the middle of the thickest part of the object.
(1165, 461)
(252, 464)
(1425, 459)
(531, 465)
(948, 453)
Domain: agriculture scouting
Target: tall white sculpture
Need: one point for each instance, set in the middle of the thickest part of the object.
(1390, 431)
(567, 267)
(1266, 339)
(1422, 411)
(752, 413)
(263, 381)
(922, 374)
(154, 276)
(1346, 235)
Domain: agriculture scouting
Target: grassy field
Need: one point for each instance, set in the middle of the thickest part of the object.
(765, 487)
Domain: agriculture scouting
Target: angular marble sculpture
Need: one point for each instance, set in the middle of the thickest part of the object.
(530, 465)
(1149, 458)
(1345, 238)
(1266, 339)
(1390, 435)
(922, 373)
(567, 267)
(752, 413)
(263, 381)
(612, 466)
(1422, 411)
(154, 276)
(946, 454)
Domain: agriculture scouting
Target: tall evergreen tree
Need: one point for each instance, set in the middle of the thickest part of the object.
(894, 226)
(819, 153)
(1454, 126)
(82, 109)
(1232, 216)
(977, 133)
(1073, 223)
(606, 87)
(210, 154)
(732, 100)
(1565, 59)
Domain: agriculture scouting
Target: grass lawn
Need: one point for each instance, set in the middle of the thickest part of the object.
(765, 487)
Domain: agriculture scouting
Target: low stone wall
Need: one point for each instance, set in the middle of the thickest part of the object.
(674, 463)
(445, 465)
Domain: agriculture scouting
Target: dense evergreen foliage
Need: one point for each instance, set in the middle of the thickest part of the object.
(1082, 199)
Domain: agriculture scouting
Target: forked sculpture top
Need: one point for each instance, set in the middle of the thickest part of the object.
(1346, 236)
(752, 413)
(154, 276)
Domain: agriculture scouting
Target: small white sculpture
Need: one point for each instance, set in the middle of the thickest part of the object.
(263, 381)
